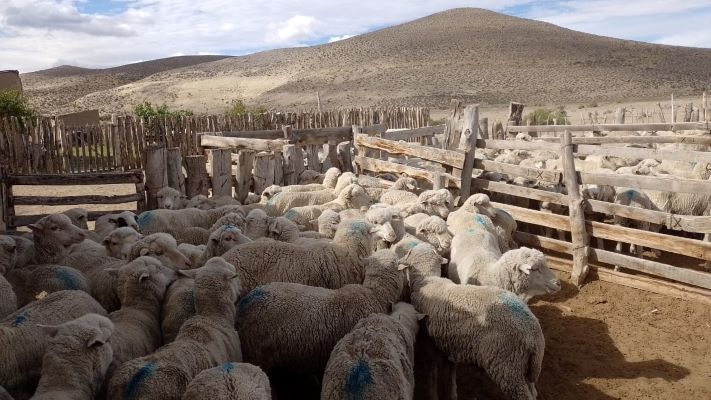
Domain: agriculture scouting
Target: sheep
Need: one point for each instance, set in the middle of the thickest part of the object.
(431, 229)
(206, 340)
(638, 199)
(477, 204)
(376, 359)
(8, 299)
(118, 242)
(161, 220)
(344, 180)
(201, 202)
(221, 201)
(108, 222)
(223, 239)
(283, 230)
(330, 178)
(505, 226)
(162, 247)
(382, 215)
(88, 246)
(230, 381)
(491, 327)
(309, 176)
(8, 261)
(30, 281)
(283, 201)
(376, 187)
(353, 196)
(328, 223)
(432, 202)
(24, 344)
(298, 340)
(304, 217)
(234, 219)
(178, 306)
(256, 224)
(321, 263)
(79, 217)
(400, 194)
(192, 253)
(52, 235)
(252, 198)
(77, 358)
(171, 199)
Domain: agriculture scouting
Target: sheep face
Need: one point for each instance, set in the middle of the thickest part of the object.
(479, 203)
(256, 224)
(57, 228)
(230, 237)
(201, 202)
(79, 217)
(126, 218)
(163, 248)
(169, 198)
(531, 274)
(152, 276)
(8, 254)
(270, 191)
(118, 243)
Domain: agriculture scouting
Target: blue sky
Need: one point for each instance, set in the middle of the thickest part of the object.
(38, 34)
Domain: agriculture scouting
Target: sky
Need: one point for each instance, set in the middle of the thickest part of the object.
(39, 34)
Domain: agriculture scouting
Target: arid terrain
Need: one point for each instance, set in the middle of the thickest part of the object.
(469, 54)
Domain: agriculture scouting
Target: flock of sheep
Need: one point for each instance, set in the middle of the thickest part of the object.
(328, 283)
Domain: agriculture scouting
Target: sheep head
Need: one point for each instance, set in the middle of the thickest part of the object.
(57, 229)
(143, 276)
(118, 243)
(529, 273)
(8, 254)
(79, 217)
(169, 198)
(162, 247)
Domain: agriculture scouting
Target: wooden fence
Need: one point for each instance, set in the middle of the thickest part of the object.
(582, 219)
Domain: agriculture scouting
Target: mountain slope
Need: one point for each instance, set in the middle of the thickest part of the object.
(470, 54)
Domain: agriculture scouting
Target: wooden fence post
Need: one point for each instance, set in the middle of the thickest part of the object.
(221, 172)
(344, 155)
(245, 161)
(484, 128)
(620, 115)
(197, 181)
(439, 180)
(156, 173)
(176, 179)
(706, 114)
(263, 171)
(312, 157)
(3, 199)
(279, 167)
(467, 143)
(577, 214)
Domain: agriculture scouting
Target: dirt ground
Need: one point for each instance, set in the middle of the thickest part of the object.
(603, 342)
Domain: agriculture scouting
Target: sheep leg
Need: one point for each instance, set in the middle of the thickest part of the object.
(447, 380)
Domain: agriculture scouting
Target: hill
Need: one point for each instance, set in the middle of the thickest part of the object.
(470, 54)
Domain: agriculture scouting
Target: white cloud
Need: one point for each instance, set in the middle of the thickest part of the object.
(338, 38)
(38, 34)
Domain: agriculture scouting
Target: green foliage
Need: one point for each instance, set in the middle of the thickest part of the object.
(238, 108)
(545, 116)
(260, 110)
(146, 110)
(13, 104)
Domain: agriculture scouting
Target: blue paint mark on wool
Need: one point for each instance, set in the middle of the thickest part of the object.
(227, 367)
(131, 389)
(20, 319)
(271, 201)
(256, 295)
(515, 304)
(69, 280)
(357, 228)
(291, 214)
(480, 220)
(629, 194)
(144, 219)
(358, 380)
(412, 244)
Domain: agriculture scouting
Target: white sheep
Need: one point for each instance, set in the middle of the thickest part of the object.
(431, 229)
(230, 381)
(492, 328)
(637, 199)
(22, 342)
(256, 224)
(281, 202)
(192, 253)
(28, 282)
(344, 180)
(433, 202)
(295, 337)
(79, 217)
(77, 358)
(321, 263)
(161, 220)
(178, 306)
(108, 222)
(352, 196)
(171, 199)
(118, 242)
(328, 223)
(206, 340)
(201, 202)
(463, 219)
(52, 235)
(8, 261)
(400, 194)
(234, 219)
(376, 359)
(252, 198)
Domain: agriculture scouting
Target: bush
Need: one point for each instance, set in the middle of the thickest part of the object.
(260, 110)
(146, 110)
(13, 104)
(545, 116)
(238, 108)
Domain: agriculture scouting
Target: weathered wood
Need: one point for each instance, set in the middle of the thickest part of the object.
(543, 242)
(197, 182)
(103, 178)
(647, 182)
(446, 157)
(333, 154)
(3, 198)
(292, 165)
(312, 160)
(141, 193)
(278, 168)
(375, 129)
(511, 169)
(638, 153)
(612, 127)
(483, 128)
(375, 165)
(176, 179)
(514, 190)
(620, 115)
(439, 180)
(405, 134)
(244, 174)
(467, 144)
(514, 145)
(24, 220)
(515, 113)
(156, 173)
(699, 224)
(452, 129)
(555, 221)
(73, 200)
(299, 136)
(344, 156)
(576, 210)
(242, 143)
(221, 172)
(263, 171)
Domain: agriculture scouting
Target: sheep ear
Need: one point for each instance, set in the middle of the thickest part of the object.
(420, 317)
(97, 340)
(525, 268)
(214, 240)
(35, 227)
(143, 277)
(144, 251)
(401, 267)
(373, 229)
(49, 330)
(106, 241)
(444, 261)
(113, 221)
(410, 186)
(190, 273)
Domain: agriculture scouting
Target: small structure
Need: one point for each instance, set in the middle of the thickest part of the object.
(10, 79)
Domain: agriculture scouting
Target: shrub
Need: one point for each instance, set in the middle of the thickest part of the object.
(13, 104)
(146, 110)
(545, 116)
(260, 110)
(237, 108)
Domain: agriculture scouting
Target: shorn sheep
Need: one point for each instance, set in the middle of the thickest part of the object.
(376, 359)
(206, 340)
(492, 328)
(298, 311)
(77, 358)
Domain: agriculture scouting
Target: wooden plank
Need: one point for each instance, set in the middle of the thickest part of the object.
(374, 129)
(612, 127)
(701, 224)
(637, 153)
(73, 200)
(515, 145)
(221, 172)
(511, 169)
(467, 144)
(413, 133)
(446, 157)
(242, 143)
(103, 178)
(647, 182)
(24, 220)
(640, 282)
(543, 242)
(576, 212)
(300, 136)
(244, 174)
(536, 217)
(536, 194)
(374, 165)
